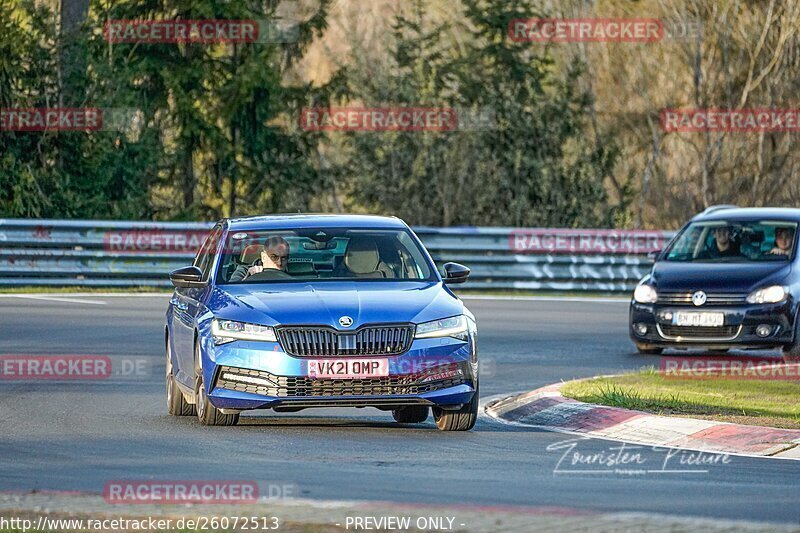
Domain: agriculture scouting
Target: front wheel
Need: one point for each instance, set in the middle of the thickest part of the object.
(461, 420)
(648, 349)
(791, 352)
(207, 413)
(176, 403)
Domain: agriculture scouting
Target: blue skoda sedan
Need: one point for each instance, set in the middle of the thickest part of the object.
(292, 312)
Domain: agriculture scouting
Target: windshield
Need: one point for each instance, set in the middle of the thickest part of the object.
(322, 254)
(735, 242)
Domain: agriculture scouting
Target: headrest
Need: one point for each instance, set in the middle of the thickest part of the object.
(361, 256)
(302, 268)
(251, 253)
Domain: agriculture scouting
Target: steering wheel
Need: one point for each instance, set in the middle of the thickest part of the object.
(268, 274)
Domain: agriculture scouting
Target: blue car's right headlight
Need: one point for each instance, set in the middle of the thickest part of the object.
(225, 331)
(455, 326)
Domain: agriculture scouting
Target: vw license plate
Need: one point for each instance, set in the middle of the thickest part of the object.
(348, 368)
(699, 319)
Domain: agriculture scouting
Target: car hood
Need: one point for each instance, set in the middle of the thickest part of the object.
(727, 277)
(324, 303)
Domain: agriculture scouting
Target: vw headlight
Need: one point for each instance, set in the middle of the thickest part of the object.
(228, 331)
(455, 326)
(768, 295)
(645, 294)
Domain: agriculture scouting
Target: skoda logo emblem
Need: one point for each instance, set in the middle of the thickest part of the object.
(345, 321)
(699, 298)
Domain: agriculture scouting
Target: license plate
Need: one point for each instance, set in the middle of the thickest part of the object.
(348, 368)
(699, 319)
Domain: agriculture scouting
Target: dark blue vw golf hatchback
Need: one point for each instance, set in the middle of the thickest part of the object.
(730, 278)
(288, 312)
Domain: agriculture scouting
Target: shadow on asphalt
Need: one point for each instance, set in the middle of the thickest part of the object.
(339, 423)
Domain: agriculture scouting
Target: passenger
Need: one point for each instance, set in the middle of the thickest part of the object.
(274, 255)
(783, 241)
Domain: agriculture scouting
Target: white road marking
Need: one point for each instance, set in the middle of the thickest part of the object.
(87, 294)
(53, 299)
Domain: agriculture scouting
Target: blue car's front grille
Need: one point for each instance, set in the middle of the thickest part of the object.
(370, 340)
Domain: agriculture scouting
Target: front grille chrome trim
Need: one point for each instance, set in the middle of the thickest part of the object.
(712, 298)
(370, 340)
(686, 338)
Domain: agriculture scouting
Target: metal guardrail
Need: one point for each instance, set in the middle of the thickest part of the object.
(130, 254)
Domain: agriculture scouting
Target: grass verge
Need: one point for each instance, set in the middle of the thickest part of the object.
(752, 402)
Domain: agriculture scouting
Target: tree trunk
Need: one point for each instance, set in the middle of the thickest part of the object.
(188, 178)
(72, 60)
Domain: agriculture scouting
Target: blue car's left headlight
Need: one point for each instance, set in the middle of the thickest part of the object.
(225, 331)
(455, 326)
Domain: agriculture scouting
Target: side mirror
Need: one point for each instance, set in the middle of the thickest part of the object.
(455, 273)
(187, 278)
(652, 256)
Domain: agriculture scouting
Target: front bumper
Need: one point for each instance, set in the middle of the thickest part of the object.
(737, 331)
(435, 372)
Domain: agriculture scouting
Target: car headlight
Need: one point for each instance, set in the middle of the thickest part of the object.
(768, 295)
(645, 294)
(228, 331)
(455, 326)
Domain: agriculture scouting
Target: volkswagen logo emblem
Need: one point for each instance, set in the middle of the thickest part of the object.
(345, 321)
(699, 298)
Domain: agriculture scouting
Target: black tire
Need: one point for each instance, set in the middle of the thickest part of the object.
(648, 349)
(412, 414)
(206, 412)
(462, 420)
(176, 402)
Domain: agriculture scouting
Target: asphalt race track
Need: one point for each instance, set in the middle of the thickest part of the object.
(81, 435)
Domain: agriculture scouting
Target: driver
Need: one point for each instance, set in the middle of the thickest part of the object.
(724, 245)
(274, 255)
(783, 241)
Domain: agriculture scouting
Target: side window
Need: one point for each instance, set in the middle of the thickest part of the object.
(205, 256)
